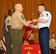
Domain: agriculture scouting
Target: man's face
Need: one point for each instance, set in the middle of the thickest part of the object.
(21, 8)
(11, 11)
(40, 9)
(53, 35)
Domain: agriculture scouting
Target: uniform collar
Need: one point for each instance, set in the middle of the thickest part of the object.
(42, 13)
(53, 39)
(17, 11)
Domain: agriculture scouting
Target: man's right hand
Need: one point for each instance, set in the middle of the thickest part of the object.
(27, 23)
(32, 25)
(34, 20)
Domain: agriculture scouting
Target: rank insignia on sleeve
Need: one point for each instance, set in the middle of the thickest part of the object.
(8, 21)
(46, 14)
(22, 17)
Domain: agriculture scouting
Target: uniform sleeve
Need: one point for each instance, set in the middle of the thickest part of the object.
(21, 18)
(47, 16)
(55, 42)
(8, 21)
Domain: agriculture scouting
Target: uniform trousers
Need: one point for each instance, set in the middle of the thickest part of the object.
(44, 40)
(8, 43)
(16, 41)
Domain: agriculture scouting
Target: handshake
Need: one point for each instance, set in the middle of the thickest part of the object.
(30, 23)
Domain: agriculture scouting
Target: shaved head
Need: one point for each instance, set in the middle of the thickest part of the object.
(18, 7)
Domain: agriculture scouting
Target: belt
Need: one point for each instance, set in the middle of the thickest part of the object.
(17, 28)
(43, 27)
